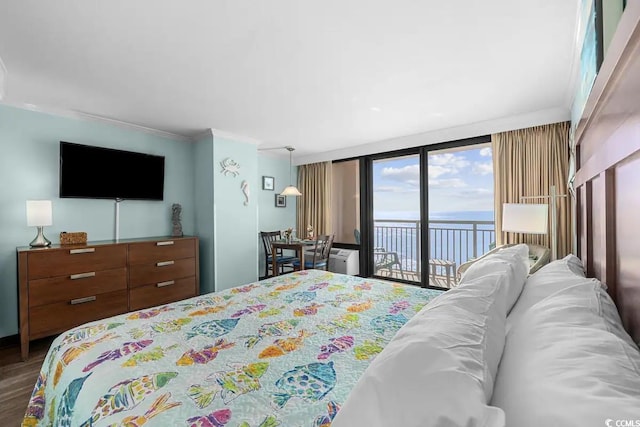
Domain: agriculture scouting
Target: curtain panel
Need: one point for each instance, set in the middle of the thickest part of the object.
(527, 162)
(314, 206)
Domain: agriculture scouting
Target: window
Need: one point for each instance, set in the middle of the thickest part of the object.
(345, 205)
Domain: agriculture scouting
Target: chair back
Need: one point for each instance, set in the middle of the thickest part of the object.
(267, 238)
(323, 246)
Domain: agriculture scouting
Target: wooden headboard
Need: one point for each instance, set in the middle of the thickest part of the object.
(608, 177)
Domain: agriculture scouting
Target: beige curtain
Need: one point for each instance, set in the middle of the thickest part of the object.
(314, 206)
(527, 162)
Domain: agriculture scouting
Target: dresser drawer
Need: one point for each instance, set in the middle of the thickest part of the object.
(162, 293)
(63, 262)
(53, 318)
(145, 274)
(74, 286)
(147, 252)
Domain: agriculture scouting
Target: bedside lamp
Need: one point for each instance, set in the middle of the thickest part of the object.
(526, 218)
(39, 215)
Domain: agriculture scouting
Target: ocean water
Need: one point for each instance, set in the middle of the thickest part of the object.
(458, 242)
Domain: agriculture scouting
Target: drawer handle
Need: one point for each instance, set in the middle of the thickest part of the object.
(164, 263)
(82, 251)
(166, 243)
(163, 284)
(82, 300)
(82, 275)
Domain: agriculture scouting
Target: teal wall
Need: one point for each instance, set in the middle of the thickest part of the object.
(203, 171)
(29, 170)
(271, 218)
(235, 225)
(212, 204)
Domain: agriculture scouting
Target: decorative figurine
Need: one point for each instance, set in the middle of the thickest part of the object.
(309, 232)
(230, 166)
(245, 190)
(176, 210)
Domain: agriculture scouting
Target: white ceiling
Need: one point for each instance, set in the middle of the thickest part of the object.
(318, 75)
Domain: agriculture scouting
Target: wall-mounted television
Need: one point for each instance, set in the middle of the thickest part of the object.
(105, 173)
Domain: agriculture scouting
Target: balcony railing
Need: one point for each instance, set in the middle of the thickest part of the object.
(453, 240)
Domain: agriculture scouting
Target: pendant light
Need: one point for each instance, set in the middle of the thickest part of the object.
(291, 190)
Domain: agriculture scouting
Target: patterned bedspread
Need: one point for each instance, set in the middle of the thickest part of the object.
(284, 351)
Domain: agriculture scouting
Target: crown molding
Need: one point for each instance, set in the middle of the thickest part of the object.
(234, 136)
(522, 121)
(198, 136)
(78, 115)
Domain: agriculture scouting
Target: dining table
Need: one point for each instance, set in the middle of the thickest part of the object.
(296, 245)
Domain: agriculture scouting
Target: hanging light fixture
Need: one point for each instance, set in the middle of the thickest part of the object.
(291, 190)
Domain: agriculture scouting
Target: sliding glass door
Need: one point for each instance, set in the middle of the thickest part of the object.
(396, 249)
(460, 204)
(432, 211)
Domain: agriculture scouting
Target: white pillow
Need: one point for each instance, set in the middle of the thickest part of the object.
(568, 362)
(440, 368)
(551, 278)
(512, 261)
(570, 264)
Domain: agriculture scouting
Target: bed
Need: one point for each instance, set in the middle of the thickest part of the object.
(314, 348)
(557, 348)
(283, 351)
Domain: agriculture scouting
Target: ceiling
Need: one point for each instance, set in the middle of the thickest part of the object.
(323, 76)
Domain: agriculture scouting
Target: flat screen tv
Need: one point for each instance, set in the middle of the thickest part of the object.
(105, 173)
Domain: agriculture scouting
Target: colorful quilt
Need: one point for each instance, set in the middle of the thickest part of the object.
(285, 351)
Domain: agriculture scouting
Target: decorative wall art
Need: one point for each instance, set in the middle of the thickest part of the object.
(230, 166)
(281, 201)
(245, 190)
(268, 183)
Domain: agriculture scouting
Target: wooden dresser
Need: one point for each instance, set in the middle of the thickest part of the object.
(64, 286)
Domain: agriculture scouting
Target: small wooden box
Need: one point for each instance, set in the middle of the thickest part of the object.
(73, 238)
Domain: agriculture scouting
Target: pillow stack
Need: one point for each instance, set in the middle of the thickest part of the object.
(567, 360)
(440, 368)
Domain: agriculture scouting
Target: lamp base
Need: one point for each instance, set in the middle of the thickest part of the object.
(40, 241)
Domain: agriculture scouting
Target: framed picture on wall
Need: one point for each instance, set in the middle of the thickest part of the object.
(281, 201)
(268, 183)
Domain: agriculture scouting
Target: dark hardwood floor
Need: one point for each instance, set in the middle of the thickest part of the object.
(17, 379)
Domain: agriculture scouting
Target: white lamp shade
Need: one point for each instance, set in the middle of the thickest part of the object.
(525, 218)
(39, 213)
(291, 191)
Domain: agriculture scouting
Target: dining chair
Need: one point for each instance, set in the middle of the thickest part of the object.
(321, 253)
(282, 261)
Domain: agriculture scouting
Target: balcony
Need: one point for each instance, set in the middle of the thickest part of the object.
(452, 243)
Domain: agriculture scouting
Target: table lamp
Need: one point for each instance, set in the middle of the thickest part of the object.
(39, 215)
(525, 218)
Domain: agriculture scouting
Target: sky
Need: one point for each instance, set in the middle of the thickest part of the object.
(459, 181)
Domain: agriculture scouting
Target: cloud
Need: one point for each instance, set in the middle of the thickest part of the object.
(448, 160)
(475, 192)
(446, 164)
(403, 174)
(482, 168)
(439, 165)
(486, 152)
(447, 183)
(393, 189)
(436, 171)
